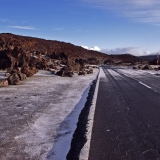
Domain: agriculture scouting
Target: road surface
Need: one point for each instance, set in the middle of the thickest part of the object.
(127, 116)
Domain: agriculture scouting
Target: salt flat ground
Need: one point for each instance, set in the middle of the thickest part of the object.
(38, 117)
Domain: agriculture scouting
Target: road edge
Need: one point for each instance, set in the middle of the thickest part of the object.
(84, 154)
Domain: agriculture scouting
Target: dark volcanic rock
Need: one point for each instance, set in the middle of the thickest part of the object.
(90, 71)
(65, 72)
(147, 67)
(22, 76)
(14, 79)
(82, 73)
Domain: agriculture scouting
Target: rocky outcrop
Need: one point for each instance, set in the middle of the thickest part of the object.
(31, 54)
(147, 67)
(65, 72)
(90, 71)
(143, 67)
(82, 73)
(3, 83)
(14, 79)
(15, 76)
(29, 71)
(21, 76)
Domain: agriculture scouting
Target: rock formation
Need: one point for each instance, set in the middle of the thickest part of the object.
(13, 79)
(3, 83)
(30, 54)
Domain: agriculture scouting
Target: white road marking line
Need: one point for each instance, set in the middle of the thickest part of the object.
(139, 81)
(144, 84)
(84, 154)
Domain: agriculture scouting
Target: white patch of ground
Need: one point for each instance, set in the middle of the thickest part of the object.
(38, 117)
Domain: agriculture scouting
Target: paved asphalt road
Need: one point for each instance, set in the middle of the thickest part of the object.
(127, 116)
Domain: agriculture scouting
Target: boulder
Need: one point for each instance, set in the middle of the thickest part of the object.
(13, 79)
(140, 66)
(147, 67)
(12, 70)
(135, 67)
(21, 76)
(90, 71)
(81, 73)
(17, 70)
(29, 71)
(65, 72)
(3, 83)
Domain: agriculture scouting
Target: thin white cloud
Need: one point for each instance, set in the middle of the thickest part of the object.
(128, 50)
(22, 27)
(3, 20)
(95, 48)
(145, 11)
(85, 47)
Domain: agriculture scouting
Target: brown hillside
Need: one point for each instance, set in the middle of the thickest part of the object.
(47, 47)
(29, 52)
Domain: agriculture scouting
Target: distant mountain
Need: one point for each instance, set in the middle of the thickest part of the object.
(152, 59)
(128, 58)
(148, 57)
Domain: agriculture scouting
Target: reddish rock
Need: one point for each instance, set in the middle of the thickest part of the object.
(14, 79)
(3, 83)
(29, 71)
(7, 74)
(65, 72)
(22, 76)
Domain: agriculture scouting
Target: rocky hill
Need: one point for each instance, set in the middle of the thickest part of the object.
(21, 54)
(54, 49)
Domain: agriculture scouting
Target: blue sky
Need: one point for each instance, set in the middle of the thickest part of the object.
(115, 26)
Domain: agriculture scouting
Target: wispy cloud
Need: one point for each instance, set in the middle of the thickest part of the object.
(3, 20)
(23, 27)
(145, 11)
(126, 50)
(130, 50)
